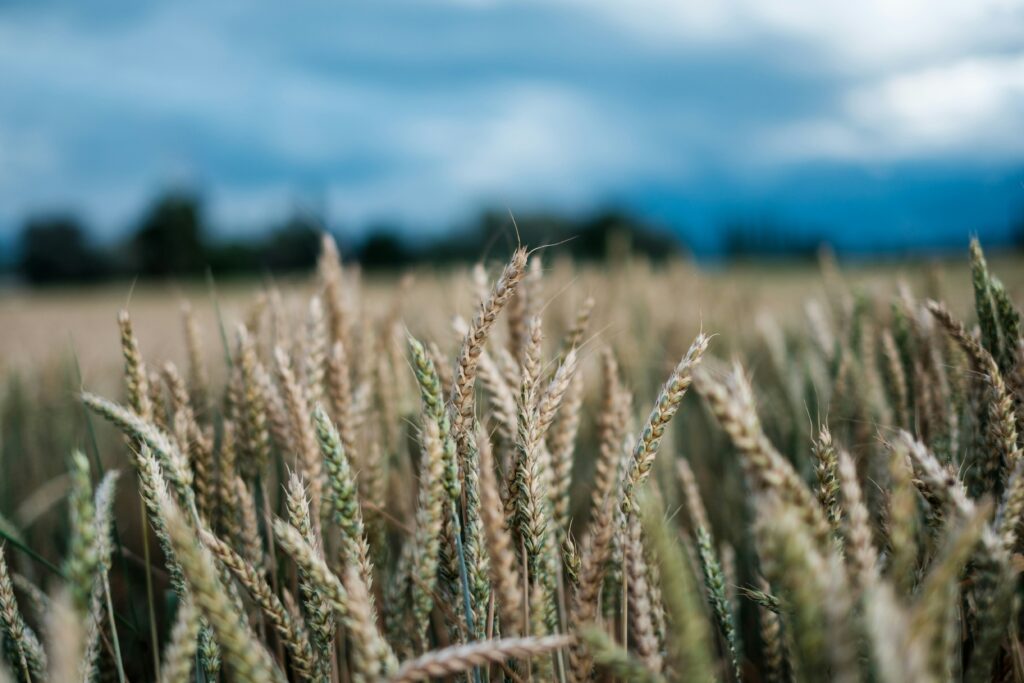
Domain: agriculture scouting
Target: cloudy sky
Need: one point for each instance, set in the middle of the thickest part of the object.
(883, 121)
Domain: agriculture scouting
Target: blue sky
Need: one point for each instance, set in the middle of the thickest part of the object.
(885, 122)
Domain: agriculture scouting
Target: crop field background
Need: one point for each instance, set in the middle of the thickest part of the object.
(491, 341)
(528, 470)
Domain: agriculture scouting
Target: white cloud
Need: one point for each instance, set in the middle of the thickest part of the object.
(525, 135)
(970, 108)
(883, 34)
(866, 36)
(522, 142)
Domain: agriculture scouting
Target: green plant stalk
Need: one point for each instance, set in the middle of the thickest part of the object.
(91, 429)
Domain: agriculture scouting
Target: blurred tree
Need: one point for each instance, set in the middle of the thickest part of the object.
(1017, 234)
(295, 245)
(500, 229)
(54, 249)
(384, 249)
(169, 240)
(235, 257)
(597, 237)
(607, 233)
(761, 239)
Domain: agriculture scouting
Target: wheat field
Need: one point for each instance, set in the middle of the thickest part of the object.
(525, 471)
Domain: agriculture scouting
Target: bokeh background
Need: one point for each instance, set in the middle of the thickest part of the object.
(151, 139)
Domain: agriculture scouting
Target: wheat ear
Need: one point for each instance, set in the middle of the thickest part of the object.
(688, 641)
(65, 639)
(180, 652)
(508, 593)
(664, 409)
(766, 469)
(711, 568)
(616, 660)
(432, 498)
(302, 434)
(372, 655)
(24, 652)
(459, 658)
(248, 659)
(319, 616)
(292, 634)
(344, 498)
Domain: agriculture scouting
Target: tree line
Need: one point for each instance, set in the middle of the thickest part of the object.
(173, 238)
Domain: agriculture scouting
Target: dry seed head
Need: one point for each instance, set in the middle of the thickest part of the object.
(476, 337)
(949, 492)
(617, 661)
(198, 377)
(691, 496)
(31, 661)
(171, 460)
(551, 399)
(644, 639)
(733, 407)
(195, 446)
(859, 543)
(688, 642)
(372, 657)
(314, 362)
(826, 468)
(668, 403)
(771, 636)
(339, 390)
(246, 657)
(430, 519)
(134, 368)
(292, 634)
(307, 560)
(65, 639)
(593, 565)
(330, 271)
(1012, 509)
(1003, 421)
(937, 596)
(574, 337)
(503, 407)
(303, 438)
(319, 614)
(227, 495)
(179, 654)
(612, 426)
(562, 445)
(505, 575)
(528, 500)
(812, 586)
(459, 658)
(254, 433)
